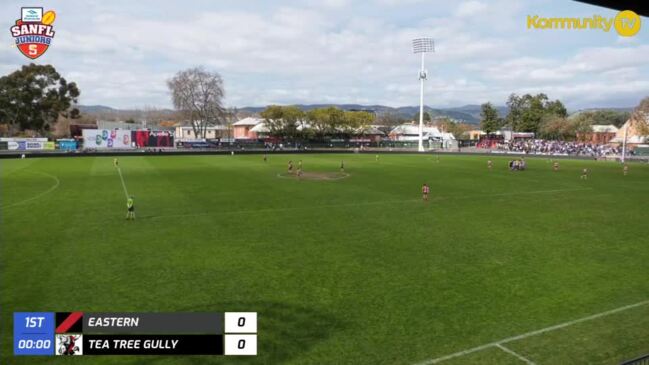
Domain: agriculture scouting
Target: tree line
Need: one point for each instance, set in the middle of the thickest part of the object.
(37, 97)
(548, 119)
(293, 123)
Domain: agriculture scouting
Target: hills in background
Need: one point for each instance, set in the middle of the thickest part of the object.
(466, 113)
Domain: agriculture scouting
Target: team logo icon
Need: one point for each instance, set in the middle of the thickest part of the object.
(69, 345)
(34, 31)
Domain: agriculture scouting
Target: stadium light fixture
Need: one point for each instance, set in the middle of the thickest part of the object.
(422, 46)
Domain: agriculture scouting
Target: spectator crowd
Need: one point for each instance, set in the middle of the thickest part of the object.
(546, 147)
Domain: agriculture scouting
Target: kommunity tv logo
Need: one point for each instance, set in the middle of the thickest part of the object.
(626, 23)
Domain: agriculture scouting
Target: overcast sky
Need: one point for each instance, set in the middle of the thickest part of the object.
(337, 51)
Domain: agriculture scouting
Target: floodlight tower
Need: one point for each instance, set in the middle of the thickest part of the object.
(423, 46)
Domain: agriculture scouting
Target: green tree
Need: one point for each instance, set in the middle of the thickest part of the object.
(35, 96)
(489, 119)
(427, 117)
(528, 112)
(615, 117)
(515, 105)
(335, 119)
(319, 121)
(273, 115)
(292, 118)
(532, 113)
(556, 108)
(325, 121)
(357, 122)
(283, 121)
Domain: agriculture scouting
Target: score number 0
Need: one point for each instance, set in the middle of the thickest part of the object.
(240, 329)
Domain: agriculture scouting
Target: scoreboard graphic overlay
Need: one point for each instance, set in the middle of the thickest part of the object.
(80, 333)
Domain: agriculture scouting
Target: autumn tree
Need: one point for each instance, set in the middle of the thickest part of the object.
(641, 116)
(198, 94)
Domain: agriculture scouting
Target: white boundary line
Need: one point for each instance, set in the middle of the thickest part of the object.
(519, 356)
(380, 202)
(51, 189)
(532, 333)
(123, 184)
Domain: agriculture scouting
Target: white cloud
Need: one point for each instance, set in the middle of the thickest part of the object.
(399, 2)
(597, 59)
(591, 62)
(332, 51)
(336, 4)
(470, 8)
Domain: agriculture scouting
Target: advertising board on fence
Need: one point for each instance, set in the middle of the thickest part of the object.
(24, 139)
(104, 138)
(21, 145)
(67, 144)
(146, 138)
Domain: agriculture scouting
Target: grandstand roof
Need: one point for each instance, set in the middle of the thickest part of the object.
(600, 128)
(630, 139)
(248, 121)
(447, 136)
(414, 129)
(220, 127)
(260, 128)
(373, 130)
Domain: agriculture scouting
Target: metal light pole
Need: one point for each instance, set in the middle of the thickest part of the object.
(423, 46)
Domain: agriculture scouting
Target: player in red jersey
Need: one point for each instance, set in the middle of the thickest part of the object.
(425, 190)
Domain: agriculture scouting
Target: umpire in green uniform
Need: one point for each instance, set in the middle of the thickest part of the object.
(130, 208)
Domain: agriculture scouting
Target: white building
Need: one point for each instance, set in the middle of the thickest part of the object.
(410, 132)
(111, 125)
(186, 133)
(243, 128)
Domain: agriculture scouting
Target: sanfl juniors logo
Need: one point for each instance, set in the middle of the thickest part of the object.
(33, 32)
